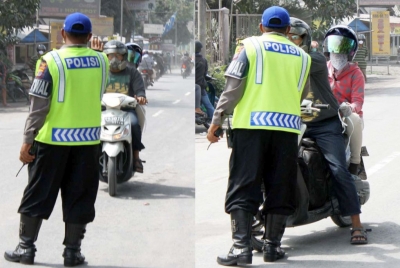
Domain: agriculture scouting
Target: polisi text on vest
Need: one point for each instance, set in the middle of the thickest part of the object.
(281, 48)
(82, 62)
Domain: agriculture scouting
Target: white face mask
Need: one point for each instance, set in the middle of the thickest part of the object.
(41, 52)
(338, 61)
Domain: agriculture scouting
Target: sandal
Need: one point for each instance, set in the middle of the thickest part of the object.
(139, 165)
(354, 238)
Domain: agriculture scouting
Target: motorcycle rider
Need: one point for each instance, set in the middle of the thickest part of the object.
(200, 73)
(325, 127)
(147, 64)
(262, 151)
(186, 60)
(347, 84)
(134, 54)
(127, 80)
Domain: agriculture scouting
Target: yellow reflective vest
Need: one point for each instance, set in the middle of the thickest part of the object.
(278, 71)
(79, 78)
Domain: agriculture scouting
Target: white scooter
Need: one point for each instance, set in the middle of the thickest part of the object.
(116, 159)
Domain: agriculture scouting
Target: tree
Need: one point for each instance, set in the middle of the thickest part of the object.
(324, 12)
(184, 13)
(15, 15)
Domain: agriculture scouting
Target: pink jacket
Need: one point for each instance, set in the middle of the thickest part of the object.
(348, 86)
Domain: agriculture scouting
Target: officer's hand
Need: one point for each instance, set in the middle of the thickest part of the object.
(210, 135)
(141, 100)
(24, 155)
(96, 44)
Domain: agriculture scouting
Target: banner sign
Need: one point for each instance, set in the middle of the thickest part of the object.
(62, 8)
(380, 33)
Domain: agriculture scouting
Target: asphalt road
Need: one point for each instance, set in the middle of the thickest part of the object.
(320, 244)
(151, 221)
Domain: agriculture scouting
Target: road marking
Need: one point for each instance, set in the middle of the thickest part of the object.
(382, 164)
(187, 94)
(177, 101)
(157, 113)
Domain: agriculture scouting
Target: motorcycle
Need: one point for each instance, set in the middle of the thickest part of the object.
(212, 91)
(116, 158)
(314, 186)
(146, 77)
(185, 70)
(18, 84)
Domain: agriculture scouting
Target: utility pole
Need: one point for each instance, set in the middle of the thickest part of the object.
(201, 23)
(122, 18)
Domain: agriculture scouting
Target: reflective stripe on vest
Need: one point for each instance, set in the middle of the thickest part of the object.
(61, 71)
(103, 69)
(303, 71)
(273, 119)
(75, 134)
(259, 60)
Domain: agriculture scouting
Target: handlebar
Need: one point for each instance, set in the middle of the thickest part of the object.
(321, 106)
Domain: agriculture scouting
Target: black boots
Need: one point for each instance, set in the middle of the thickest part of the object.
(28, 232)
(353, 169)
(241, 250)
(74, 234)
(274, 228)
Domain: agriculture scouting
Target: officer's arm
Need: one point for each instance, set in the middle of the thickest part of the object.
(40, 93)
(236, 76)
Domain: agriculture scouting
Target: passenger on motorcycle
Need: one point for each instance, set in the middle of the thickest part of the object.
(134, 54)
(347, 83)
(127, 80)
(326, 128)
(147, 64)
(200, 73)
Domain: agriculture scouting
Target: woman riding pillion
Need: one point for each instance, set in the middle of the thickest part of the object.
(127, 80)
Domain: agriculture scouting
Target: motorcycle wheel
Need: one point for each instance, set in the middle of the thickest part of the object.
(112, 176)
(341, 221)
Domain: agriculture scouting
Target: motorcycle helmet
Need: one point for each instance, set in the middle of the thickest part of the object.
(117, 47)
(341, 39)
(41, 49)
(198, 46)
(134, 53)
(361, 37)
(300, 28)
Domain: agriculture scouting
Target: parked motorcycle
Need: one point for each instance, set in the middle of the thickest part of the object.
(18, 84)
(314, 187)
(116, 158)
(212, 95)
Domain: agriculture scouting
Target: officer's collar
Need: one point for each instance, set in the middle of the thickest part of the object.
(275, 33)
(74, 45)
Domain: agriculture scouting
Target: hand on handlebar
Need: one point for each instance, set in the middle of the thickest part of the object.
(345, 109)
(141, 100)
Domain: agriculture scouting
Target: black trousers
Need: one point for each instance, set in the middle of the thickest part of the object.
(74, 170)
(262, 156)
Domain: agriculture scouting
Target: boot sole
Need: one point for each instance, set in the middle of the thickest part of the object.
(72, 262)
(272, 257)
(22, 260)
(237, 261)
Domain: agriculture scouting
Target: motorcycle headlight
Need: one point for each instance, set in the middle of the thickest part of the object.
(122, 134)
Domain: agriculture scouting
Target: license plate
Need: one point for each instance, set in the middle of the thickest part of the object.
(114, 120)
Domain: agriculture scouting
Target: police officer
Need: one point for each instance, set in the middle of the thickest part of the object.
(265, 85)
(61, 141)
(35, 60)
